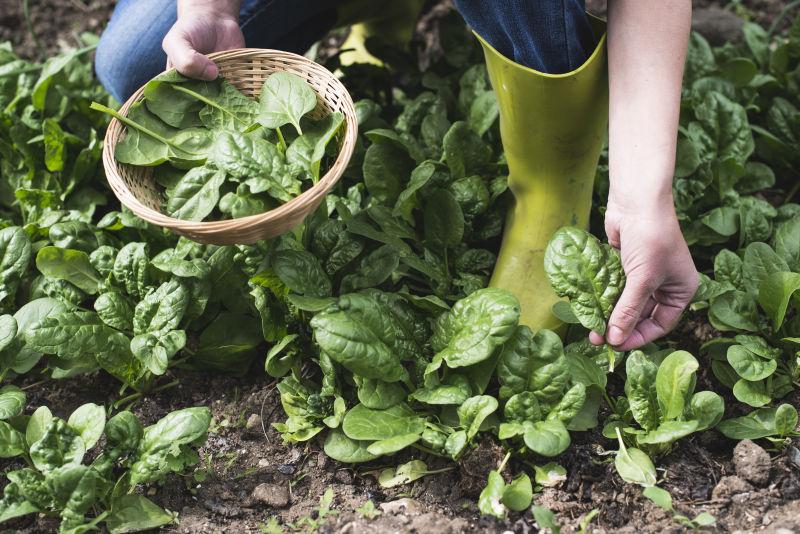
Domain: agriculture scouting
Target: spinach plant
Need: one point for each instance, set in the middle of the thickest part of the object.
(57, 481)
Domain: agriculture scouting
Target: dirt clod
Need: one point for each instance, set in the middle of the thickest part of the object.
(730, 486)
(752, 462)
(273, 495)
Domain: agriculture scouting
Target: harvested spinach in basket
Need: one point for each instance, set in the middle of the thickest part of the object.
(218, 153)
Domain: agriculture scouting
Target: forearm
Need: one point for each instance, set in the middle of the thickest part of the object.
(647, 43)
(221, 7)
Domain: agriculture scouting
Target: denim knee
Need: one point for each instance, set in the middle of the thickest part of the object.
(129, 52)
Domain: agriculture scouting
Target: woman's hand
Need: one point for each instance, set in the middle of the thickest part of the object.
(661, 276)
(202, 27)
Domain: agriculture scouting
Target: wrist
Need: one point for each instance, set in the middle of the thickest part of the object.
(228, 9)
(646, 201)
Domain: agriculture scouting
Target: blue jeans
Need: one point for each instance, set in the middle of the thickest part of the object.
(551, 36)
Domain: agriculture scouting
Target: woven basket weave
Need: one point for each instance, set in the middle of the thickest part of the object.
(246, 68)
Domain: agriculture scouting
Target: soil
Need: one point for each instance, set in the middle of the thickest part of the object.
(249, 476)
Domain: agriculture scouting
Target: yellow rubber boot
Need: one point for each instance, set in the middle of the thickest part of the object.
(392, 21)
(553, 127)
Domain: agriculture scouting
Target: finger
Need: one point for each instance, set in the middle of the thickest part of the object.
(629, 308)
(596, 339)
(187, 60)
(663, 319)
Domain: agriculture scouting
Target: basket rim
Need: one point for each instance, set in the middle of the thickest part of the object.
(306, 198)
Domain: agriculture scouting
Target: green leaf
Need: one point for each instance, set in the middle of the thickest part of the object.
(385, 170)
(518, 495)
(54, 149)
(308, 150)
(635, 467)
(545, 519)
(402, 474)
(548, 438)
(180, 427)
(196, 194)
(362, 423)
(474, 411)
(675, 383)
(640, 372)
(12, 401)
(15, 254)
(161, 310)
(759, 262)
(375, 269)
(660, 497)
(302, 273)
(88, 421)
(750, 365)
(115, 310)
(489, 501)
(134, 513)
(785, 419)
(284, 99)
(475, 327)
(343, 449)
(72, 334)
(12, 443)
(37, 424)
(774, 294)
(8, 330)
(60, 445)
(755, 425)
(533, 363)
(707, 408)
(366, 336)
(464, 151)
(379, 395)
(755, 394)
(70, 265)
(393, 444)
(444, 220)
(668, 432)
(587, 272)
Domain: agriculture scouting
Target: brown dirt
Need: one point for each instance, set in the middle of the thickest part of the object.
(238, 457)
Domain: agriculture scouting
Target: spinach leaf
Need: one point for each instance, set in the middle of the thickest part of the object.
(475, 327)
(70, 265)
(362, 423)
(587, 272)
(195, 195)
(284, 99)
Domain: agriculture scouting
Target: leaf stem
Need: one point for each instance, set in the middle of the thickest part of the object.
(792, 192)
(281, 140)
(208, 101)
(504, 462)
(133, 124)
(31, 68)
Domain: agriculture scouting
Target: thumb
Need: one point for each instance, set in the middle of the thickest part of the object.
(187, 60)
(628, 309)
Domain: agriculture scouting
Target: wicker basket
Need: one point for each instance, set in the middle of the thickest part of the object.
(246, 68)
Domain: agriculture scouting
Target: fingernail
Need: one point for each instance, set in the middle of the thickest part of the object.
(210, 72)
(615, 335)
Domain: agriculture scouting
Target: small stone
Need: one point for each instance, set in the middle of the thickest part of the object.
(263, 462)
(273, 495)
(404, 506)
(752, 463)
(729, 486)
(253, 422)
